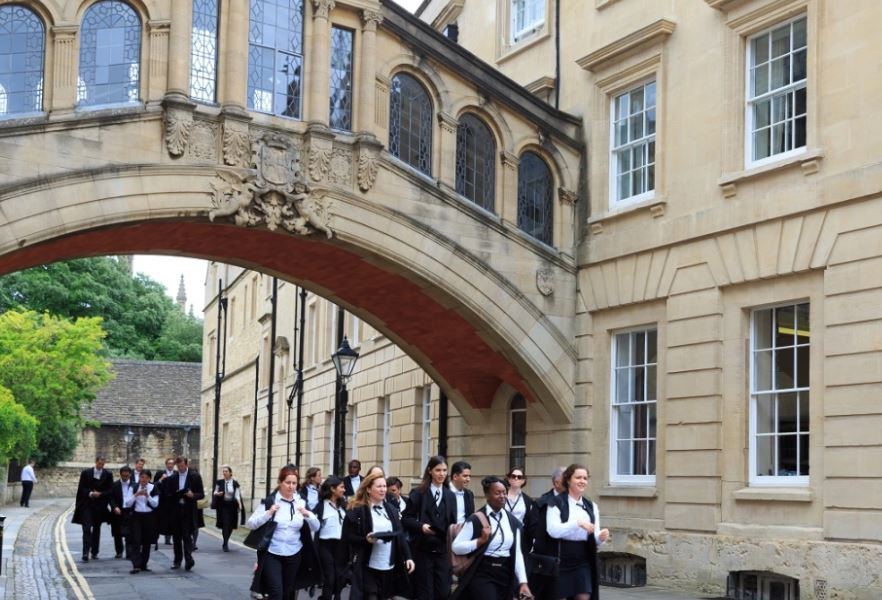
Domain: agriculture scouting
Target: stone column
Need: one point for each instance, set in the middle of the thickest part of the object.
(446, 148)
(509, 206)
(158, 76)
(233, 68)
(365, 98)
(320, 61)
(179, 49)
(64, 68)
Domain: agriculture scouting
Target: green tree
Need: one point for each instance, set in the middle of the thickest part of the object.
(18, 429)
(53, 367)
(140, 319)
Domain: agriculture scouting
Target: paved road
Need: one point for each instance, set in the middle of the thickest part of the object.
(45, 565)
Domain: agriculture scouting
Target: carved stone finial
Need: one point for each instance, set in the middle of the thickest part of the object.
(322, 9)
(371, 19)
(544, 281)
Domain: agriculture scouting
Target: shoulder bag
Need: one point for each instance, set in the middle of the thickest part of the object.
(260, 538)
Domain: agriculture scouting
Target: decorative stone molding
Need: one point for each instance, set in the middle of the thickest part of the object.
(567, 196)
(340, 171)
(371, 19)
(236, 145)
(178, 123)
(658, 209)
(203, 141)
(544, 281)
(319, 163)
(509, 160)
(322, 8)
(368, 163)
(448, 122)
(596, 228)
(273, 193)
(651, 34)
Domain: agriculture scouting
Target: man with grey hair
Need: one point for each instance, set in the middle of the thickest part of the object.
(544, 587)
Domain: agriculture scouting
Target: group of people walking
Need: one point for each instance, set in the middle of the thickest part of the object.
(360, 531)
(141, 506)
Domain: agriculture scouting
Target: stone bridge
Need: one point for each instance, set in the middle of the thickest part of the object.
(342, 145)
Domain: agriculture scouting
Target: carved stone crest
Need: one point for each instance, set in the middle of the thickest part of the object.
(272, 193)
(544, 282)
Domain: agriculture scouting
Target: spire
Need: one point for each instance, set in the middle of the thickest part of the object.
(182, 295)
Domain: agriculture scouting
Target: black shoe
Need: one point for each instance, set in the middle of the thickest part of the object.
(167, 540)
(176, 566)
(134, 571)
(146, 569)
(195, 548)
(189, 566)
(156, 546)
(119, 556)
(94, 557)
(226, 548)
(85, 558)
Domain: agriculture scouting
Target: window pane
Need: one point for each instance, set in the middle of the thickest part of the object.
(652, 420)
(535, 198)
(761, 144)
(765, 414)
(641, 421)
(341, 79)
(762, 362)
(476, 162)
(760, 84)
(762, 329)
(787, 455)
(784, 369)
(623, 349)
(760, 49)
(651, 345)
(638, 379)
(802, 367)
(518, 428)
(799, 34)
(787, 413)
(785, 326)
(275, 57)
(641, 454)
(410, 123)
(625, 422)
(799, 135)
(651, 383)
(203, 51)
(804, 455)
(21, 60)
(799, 65)
(781, 41)
(651, 457)
(650, 121)
(623, 458)
(622, 385)
(803, 412)
(639, 348)
(765, 459)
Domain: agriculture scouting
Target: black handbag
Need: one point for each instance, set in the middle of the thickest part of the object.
(260, 538)
(543, 564)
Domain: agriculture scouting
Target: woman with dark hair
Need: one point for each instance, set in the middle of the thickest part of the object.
(226, 500)
(431, 509)
(574, 522)
(381, 556)
(289, 562)
(496, 535)
(331, 512)
(517, 502)
(309, 491)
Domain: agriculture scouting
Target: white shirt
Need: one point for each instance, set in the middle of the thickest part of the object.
(460, 503)
(289, 522)
(142, 504)
(355, 480)
(571, 530)
(312, 496)
(502, 539)
(96, 473)
(182, 480)
(517, 507)
(381, 554)
(401, 503)
(27, 474)
(437, 495)
(127, 492)
(332, 522)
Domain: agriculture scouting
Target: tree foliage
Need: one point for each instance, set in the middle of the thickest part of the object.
(18, 429)
(141, 321)
(52, 366)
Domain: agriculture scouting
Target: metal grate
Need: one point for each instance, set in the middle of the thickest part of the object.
(820, 589)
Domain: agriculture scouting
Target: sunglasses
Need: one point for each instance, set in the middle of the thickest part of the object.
(513, 476)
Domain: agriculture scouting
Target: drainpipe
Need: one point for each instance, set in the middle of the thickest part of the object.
(557, 54)
(442, 425)
(254, 425)
(299, 383)
(269, 397)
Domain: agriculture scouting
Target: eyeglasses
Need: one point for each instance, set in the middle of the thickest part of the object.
(514, 476)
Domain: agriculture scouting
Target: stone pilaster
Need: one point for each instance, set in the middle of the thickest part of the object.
(64, 72)
(365, 99)
(158, 72)
(233, 69)
(509, 209)
(447, 151)
(320, 61)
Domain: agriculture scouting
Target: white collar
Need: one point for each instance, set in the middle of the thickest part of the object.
(456, 491)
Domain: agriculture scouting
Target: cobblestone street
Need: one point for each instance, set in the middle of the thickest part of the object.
(45, 565)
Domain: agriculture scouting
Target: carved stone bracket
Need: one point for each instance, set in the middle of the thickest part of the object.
(319, 163)
(236, 145)
(322, 8)
(545, 281)
(567, 196)
(448, 122)
(272, 193)
(178, 124)
(368, 162)
(371, 19)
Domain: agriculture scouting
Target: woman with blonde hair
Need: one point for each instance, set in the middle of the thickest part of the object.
(381, 555)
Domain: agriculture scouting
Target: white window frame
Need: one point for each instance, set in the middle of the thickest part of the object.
(353, 410)
(426, 417)
(312, 330)
(614, 476)
(531, 23)
(791, 87)
(332, 328)
(386, 405)
(644, 141)
(329, 423)
(774, 480)
(310, 442)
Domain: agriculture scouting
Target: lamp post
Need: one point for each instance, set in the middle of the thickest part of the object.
(128, 436)
(344, 361)
(220, 367)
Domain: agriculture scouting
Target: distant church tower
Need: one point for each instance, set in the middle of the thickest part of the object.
(181, 299)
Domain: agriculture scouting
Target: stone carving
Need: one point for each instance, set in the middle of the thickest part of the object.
(319, 163)
(203, 141)
(544, 282)
(323, 8)
(371, 19)
(236, 144)
(367, 171)
(340, 172)
(567, 196)
(178, 124)
(271, 193)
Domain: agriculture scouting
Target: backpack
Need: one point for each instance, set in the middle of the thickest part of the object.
(460, 563)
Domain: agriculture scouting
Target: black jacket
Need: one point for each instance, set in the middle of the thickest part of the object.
(95, 510)
(465, 580)
(421, 509)
(358, 523)
(183, 507)
(349, 489)
(562, 504)
(469, 502)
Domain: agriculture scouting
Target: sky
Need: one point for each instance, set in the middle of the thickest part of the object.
(167, 270)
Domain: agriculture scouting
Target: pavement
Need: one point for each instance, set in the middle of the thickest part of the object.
(41, 561)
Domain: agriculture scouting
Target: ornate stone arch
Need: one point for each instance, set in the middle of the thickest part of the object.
(48, 11)
(491, 116)
(425, 73)
(146, 9)
(564, 178)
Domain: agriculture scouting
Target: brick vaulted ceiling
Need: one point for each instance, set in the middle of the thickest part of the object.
(439, 338)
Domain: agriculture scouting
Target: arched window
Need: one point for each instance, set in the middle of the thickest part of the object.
(21, 60)
(275, 57)
(410, 123)
(535, 207)
(517, 432)
(110, 54)
(203, 51)
(476, 162)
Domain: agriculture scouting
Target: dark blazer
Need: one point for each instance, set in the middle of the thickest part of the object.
(94, 510)
(563, 505)
(463, 587)
(166, 503)
(119, 523)
(421, 509)
(358, 523)
(227, 511)
(185, 511)
(348, 488)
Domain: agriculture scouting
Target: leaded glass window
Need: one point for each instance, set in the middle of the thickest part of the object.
(341, 79)
(275, 57)
(21, 60)
(203, 51)
(110, 54)
(535, 208)
(517, 430)
(410, 123)
(476, 162)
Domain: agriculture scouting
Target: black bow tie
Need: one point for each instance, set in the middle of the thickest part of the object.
(291, 504)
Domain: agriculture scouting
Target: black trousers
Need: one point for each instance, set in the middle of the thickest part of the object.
(182, 529)
(141, 538)
(91, 533)
(26, 488)
(492, 580)
(333, 564)
(278, 575)
(432, 576)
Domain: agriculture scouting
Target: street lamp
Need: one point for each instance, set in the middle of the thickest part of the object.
(128, 436)
(344, 361)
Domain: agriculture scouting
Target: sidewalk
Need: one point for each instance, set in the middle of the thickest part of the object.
(15, 517)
